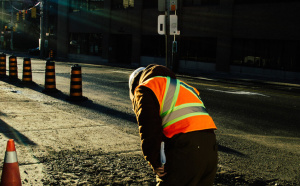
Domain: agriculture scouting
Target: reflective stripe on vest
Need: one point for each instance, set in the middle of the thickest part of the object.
(169, 112)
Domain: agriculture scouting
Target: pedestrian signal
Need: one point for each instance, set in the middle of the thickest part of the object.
(173, 5)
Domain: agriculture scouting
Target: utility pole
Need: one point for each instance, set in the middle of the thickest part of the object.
(42, 30)
(12, 25)
(2, 15)
(167, 34)
(167, 25)
(2, 24)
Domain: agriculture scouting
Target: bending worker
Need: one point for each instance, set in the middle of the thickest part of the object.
(171, 111)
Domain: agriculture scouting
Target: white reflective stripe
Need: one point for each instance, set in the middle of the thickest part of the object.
(11, 157)
(181, 112)
(169, 94)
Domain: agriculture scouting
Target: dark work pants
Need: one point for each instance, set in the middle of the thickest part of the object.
(191, 159)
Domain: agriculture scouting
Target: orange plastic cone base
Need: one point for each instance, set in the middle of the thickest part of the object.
(11, 175)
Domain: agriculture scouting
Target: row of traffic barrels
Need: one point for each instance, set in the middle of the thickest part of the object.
(75, 83)
(50, 82)
(13, 68)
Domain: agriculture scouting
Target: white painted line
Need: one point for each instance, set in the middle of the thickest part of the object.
(123, 72)
(239, 92)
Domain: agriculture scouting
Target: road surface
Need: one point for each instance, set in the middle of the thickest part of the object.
(96, 141)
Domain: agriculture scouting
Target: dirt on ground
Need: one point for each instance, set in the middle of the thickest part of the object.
(98, 168)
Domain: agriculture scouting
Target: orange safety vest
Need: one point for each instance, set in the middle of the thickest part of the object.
(181, 108)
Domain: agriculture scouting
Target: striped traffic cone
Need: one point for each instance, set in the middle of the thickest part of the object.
(10, 172)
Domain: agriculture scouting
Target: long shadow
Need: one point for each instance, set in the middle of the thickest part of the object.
(230, 151)
(12, 133)
(85, 102)
(89, 104)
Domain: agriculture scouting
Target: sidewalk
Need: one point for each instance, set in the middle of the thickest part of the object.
(39, 129)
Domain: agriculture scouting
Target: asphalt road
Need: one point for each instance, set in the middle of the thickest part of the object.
(258, 123)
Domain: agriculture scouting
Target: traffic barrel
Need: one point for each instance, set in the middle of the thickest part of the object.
(51, 54)
(2, 65)
(27, 73)
(76, 83)
(50, 84)
(13, 68)
(10, 172)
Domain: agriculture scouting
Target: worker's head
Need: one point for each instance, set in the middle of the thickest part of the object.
(134, 80)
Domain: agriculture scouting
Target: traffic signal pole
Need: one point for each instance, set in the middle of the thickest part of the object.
(42, 33)
(167, 34)
(167, 25)
(12, 25)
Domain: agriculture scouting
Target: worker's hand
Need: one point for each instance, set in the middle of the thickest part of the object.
(160, 171)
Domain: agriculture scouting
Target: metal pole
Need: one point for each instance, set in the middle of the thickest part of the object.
(2, 15)
(42, 34)
(167, 17)
(12, 25)
(2, 24)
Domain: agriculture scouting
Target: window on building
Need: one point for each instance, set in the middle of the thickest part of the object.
(117, 4)
(85, 43)
(192, 3)
(128, 3)
(262, 1)
(77, 5)
(272, 54)
(210, 2)
(198, 49)
(96, 5)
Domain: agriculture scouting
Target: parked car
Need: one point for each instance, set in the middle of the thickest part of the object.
(34, 51)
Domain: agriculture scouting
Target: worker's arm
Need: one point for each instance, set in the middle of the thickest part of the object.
(146, 108)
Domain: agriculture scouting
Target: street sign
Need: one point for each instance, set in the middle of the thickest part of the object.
(161, 24)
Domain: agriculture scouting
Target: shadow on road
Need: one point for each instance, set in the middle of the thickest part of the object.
(84, 102)
(12, 133)
(230, 151)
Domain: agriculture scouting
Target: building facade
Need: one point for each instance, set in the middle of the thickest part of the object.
(259, 37)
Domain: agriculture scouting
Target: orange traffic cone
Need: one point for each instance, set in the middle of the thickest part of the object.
(10, 172)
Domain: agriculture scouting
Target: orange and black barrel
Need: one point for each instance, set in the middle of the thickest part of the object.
(13, 68)
(27, 73)
(2, 65)
(50, 84)
(76, 83)
(51, 54)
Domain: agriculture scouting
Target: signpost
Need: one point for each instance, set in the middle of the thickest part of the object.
(167, 25)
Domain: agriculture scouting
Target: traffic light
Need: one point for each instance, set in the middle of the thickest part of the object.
(23, 14)
(128, 3)
(131, 3)
(33, 12)
(125, 3)
(18, 17)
